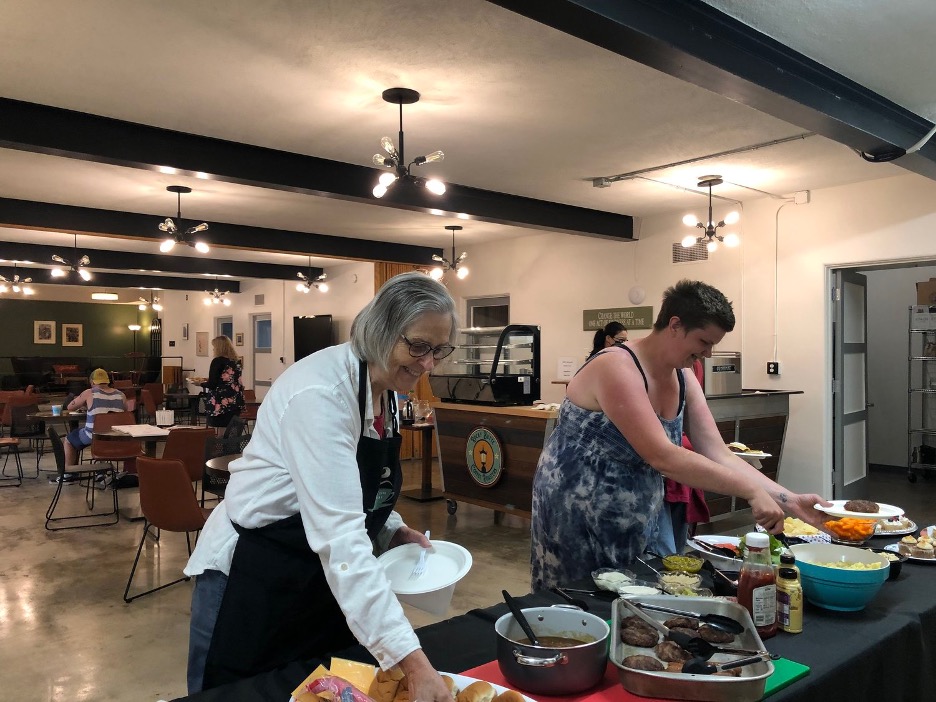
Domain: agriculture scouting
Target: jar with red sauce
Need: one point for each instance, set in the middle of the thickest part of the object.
(757, 585)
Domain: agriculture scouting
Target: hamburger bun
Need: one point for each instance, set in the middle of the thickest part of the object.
(478, 691)
(385, 685)
(509, 696)
(450, 683)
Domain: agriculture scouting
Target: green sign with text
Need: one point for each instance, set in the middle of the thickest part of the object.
(630, 317)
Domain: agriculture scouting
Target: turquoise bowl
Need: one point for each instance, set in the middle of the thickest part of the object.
(839, 589)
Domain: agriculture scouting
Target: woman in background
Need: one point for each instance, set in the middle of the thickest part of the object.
(612, 333)
(224, 394)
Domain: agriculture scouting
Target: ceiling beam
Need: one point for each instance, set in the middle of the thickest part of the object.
(692, 41)
(41, 276)
(50, 130)
(85, 220)
(186, 266)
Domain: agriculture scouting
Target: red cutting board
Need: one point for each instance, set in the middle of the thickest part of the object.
(608, 690)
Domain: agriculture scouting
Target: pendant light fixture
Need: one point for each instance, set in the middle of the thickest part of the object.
(710, 236)
(307, 282)
(77, 267)
(16, 284)
(175, 235)
(217, 297)
(152, 302)
(396, 159)
(455, 264)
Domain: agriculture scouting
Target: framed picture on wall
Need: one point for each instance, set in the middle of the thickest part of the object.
(72, 335)
(185, 332)
(201, 343)
(43, 332)
(239, 339)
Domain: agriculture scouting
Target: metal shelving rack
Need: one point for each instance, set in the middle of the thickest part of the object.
(921, 400)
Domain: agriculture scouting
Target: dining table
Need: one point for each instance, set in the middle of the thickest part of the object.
(218, 466)
(885, 651)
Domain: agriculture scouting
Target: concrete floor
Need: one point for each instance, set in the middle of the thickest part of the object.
(67, 635)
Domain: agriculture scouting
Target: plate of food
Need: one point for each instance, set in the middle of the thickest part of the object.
(744, 451)
(913, 551)
(895, 526)
(860, 508)
(503, 694)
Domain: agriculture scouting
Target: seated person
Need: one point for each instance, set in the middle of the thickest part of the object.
(99, 398)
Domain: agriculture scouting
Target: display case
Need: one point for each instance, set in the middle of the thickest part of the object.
(491, 366)
(921, 386)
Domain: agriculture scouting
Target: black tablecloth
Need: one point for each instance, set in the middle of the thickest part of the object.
(886, 651)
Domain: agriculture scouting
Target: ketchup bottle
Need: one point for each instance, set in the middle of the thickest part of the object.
(757, 586)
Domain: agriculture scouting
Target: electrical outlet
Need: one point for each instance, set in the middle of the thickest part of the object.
(773, 367)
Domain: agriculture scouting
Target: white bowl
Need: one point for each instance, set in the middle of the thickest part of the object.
(446, 564)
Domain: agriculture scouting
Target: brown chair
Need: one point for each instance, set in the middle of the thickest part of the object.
(114, 450)
(156, 390)
(149, 405)
(85, 473)
(122, 384)
(169, 504)
(188, 446)
(250, 395)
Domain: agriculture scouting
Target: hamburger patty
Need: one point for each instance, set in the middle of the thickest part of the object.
(637, 623)
(715, 636)
(862, 506)
(670, 652)
(639, 637)
(681, 622)
(642, 663)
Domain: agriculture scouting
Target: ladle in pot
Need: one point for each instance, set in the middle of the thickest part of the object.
(521, 620)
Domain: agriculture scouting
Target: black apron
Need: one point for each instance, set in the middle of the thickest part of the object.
(277, 606)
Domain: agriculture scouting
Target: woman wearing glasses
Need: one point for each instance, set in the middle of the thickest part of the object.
(285, 567)
(612, 334)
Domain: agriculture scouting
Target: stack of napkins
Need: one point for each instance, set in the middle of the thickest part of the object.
(141, 430)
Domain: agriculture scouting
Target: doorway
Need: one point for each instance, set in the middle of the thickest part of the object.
(262, 353)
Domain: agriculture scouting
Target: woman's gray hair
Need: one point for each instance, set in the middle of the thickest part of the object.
(399, 302)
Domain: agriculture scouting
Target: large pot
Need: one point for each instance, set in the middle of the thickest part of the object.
(546, 670)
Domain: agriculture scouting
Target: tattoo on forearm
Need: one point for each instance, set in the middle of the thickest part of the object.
(782, 497)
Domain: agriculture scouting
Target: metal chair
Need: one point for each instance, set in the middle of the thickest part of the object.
(188, 446)
(21, 427)
(169, 504)
(111, 450)
(12, 448)
(214, 447)
(236, 427)
(88, 473)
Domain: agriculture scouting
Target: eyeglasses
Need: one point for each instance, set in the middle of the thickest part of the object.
(418, 349)
(618, 340)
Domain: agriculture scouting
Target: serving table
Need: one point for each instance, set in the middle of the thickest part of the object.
(885, 652)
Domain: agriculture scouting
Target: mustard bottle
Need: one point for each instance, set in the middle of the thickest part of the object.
(789, 601)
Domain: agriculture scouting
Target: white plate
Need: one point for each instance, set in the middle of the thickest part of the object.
(463, 681)
(446, 564)
(893, 549)
(838, 510)
(718, 560)
(900, 532)
(751, 454)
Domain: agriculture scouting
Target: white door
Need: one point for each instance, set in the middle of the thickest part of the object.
(850, 385)
(262, 353)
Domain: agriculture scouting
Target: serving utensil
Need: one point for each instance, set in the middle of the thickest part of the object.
(521, 620)
(649, 566)
(700, 666)
(716, 621)
(581, 604)
(420, 566)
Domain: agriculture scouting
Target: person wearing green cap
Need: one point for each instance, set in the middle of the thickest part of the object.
(99, 398)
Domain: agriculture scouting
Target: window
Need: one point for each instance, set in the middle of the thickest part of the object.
(488, 311)
(263, 335)
(224, 326)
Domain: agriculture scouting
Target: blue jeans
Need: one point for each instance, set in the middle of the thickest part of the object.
(206, 603)
(673, 530)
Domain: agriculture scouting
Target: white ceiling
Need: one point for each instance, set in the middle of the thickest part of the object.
(516, 106)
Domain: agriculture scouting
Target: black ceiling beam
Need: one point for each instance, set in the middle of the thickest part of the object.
(50, 130)
(697, 43)
(42, 276)
(165, 263)
(86, 220)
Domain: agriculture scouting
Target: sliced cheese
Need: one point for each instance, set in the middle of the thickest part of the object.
(317, 673)
(361, 675)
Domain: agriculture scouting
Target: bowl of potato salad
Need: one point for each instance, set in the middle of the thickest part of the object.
(842, 578)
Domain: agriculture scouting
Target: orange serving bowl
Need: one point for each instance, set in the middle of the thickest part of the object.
(851, 530)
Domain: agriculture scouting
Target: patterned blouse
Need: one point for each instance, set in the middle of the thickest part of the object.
(225, 394)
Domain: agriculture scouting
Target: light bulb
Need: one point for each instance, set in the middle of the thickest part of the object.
(386, 179)
(58, 273)
(462, 272)
(200, 228)
(387, 145)
(142, 307)
(436, 273)
(28, 291)
(690, 220)
(732, 217)
(215, 301)
(689, 241)
(380, 190)
(380, 160)
(3, 288)
(167, 245)
(300, 287)
(732, 240)
(16, 288)
(84, 273)
(712, 246)
(201, 247)
(434, 156)
(323, 287)
(157, 307)
(227, 302)
(207, 300)
(436, 187)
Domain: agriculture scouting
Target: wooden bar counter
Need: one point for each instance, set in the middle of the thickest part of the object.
(488, 454)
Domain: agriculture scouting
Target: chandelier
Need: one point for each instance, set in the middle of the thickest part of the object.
(152, 302)
(455, 264)
(710, 236)
(16, 284)
(217, 297)
(175, 235)
(307, 282)
(77, 267)
(395, 159)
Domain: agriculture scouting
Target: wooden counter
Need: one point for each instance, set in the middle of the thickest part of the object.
(502, 479)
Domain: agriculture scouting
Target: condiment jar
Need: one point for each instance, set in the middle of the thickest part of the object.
(757, 584)
(789, 601)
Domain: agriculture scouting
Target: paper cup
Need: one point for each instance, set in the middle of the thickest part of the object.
(446, 564)
(56, 410)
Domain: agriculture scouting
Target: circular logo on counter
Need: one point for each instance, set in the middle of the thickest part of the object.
(484, 456)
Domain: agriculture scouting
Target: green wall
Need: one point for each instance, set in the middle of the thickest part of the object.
(104, 331)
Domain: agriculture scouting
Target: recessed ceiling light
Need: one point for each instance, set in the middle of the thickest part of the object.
(105, 296)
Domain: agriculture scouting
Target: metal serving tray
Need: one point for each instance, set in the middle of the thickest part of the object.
(683, 686)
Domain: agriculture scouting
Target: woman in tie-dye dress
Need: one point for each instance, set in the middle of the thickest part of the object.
(598, 489)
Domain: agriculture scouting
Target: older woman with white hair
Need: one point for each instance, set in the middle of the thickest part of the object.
(285, 567)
